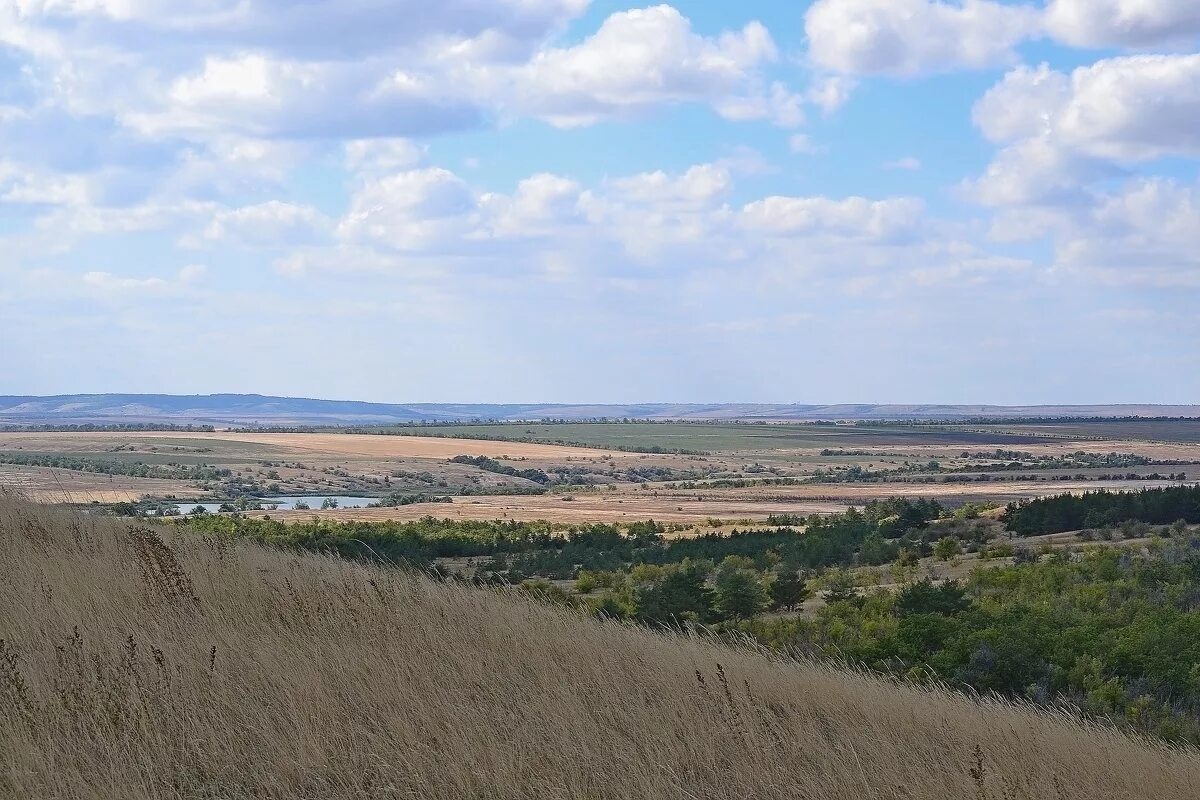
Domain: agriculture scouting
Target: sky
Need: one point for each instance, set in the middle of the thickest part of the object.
(869, 201)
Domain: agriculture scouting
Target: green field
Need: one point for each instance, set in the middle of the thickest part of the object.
(718, 437)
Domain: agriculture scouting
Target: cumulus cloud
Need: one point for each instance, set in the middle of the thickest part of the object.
(653, 221)
(417, 210)
(831, 92)
(543, 207)
(1124, 23)
(1023, 104)
(350, 29)
(699, 186)
(1070, 148)
(1061, 132)
(911, 37)
(270, 69)
(263, 97)
(644, 58)
(1134, 108)
(1037, 171)
(137, 116)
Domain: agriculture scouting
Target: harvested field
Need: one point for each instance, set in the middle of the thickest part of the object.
(697, 506)
(257, 464)
(48, 485)
(998, 491)
(599, 507)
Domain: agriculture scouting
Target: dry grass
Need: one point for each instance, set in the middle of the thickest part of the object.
(138, 665)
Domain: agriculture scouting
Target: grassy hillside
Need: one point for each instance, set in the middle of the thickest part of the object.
(139, 664)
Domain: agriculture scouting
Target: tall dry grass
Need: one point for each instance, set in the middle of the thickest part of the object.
(140, 664)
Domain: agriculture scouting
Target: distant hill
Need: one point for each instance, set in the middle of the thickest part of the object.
(250, 409)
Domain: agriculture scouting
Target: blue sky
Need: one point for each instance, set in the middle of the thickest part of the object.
(563, 200)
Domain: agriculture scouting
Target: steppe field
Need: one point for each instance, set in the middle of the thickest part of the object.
(145, 663)
(684, 474)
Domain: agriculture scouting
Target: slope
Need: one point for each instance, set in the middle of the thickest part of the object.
(140, 664)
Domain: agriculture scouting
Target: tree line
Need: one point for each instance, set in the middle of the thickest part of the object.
(113, 466)
(1103, 509)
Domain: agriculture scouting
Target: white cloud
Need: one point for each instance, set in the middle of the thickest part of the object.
(108, 285)
(231, 166)
(782, 106)
(1134, 108)
(430, 222)
(64, 226)
(699, 186)
(970, 268)
(1124, 23)
(417, 210)
(1063, 132)
(382, 155)
(1146, 233)
(273, 223)
(853, 217)
(1036, 171)
(645, 58)
(348, 29)
(831, 92)
(543, 206)
(22, 185)
(363, 69)
(264, 97)
(1023, 104)
(910, 37)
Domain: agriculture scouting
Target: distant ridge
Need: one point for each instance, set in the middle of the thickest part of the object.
(239, 410)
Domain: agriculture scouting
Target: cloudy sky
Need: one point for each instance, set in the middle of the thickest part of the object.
(564, 200)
